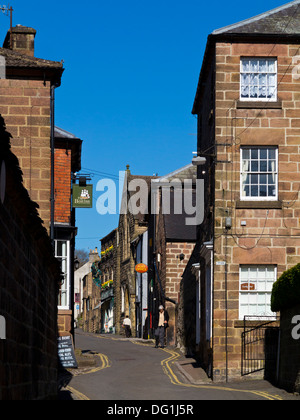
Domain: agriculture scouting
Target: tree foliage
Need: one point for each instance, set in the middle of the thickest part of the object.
(286, 290)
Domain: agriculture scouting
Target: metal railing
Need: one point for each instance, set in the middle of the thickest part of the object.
(260, 341)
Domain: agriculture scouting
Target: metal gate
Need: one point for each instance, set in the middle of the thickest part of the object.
(260, 343)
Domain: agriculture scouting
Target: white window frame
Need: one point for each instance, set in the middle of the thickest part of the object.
(258, 99)
(67, 258)
(252, 293)
(242, 173)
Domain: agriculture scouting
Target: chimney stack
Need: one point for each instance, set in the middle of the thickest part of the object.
(22, 40)
(94, 256)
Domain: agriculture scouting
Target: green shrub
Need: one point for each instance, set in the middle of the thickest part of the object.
(286, 290)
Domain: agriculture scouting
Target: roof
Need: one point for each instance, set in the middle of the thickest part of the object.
(176, 228)
(15, 59)
(142, 204)
(282, 20)
(109, 236)
(187, 172)
(61, 133)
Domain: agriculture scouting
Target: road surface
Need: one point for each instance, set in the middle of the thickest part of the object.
(131, 370)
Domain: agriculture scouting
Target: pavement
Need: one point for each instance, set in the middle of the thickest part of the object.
(183, 372)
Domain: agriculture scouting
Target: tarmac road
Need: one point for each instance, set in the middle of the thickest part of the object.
(135, 371)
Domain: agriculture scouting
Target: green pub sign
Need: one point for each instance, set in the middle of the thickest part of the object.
(83, 197)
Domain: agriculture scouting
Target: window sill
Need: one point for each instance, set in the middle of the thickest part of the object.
(258, 205)
(249, 324)
(259, 105)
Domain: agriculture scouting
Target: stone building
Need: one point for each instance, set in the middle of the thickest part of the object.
(132, 224)
(47, 155)
(109, 272)
(174, 242)
(248, 109)
(29, 282)
(67, 161)
(92, 296)
(79, 275)
(26, 99)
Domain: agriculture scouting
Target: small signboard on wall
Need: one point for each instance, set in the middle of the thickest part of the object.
(82, 196)
(248, 287)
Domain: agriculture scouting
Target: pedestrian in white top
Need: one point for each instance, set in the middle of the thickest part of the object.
(127, 326)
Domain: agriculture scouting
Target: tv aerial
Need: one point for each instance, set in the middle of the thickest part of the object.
(8, 11)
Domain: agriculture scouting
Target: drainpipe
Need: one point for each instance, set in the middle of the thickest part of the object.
(228, 226)
(52, 125)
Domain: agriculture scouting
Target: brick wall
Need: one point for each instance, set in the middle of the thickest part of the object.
(272, 232)
(174, 271)
(25, 106)
(62, 186)
(29, 276)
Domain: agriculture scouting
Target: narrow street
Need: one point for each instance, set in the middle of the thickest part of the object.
(131, 370)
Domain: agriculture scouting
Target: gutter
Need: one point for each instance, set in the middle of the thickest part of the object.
(52, 126)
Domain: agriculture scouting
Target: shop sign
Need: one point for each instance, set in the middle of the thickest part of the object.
(141, 268)
(82, 196)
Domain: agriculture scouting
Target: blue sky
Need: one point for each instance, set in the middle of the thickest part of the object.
(131, 72)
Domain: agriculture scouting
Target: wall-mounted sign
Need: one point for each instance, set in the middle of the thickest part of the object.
(141, 268)
(2, 181)
(82, 196)
(248, 286)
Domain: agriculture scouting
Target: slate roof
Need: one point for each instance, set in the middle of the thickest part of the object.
(176, 228)
(282, 20)
(187, 172)
(61, 133)
(15, 59)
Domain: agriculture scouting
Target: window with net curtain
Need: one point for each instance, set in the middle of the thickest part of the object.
(259, 173)
(258, 79)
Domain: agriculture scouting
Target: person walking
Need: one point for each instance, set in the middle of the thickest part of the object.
(161, 324)
(127, 326)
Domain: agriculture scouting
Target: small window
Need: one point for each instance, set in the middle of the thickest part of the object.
(259, 79)
(62, 253)
(256, 284)
(259, 173)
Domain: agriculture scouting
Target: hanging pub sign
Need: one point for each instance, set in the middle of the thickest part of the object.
(82, 196)
(141, 268)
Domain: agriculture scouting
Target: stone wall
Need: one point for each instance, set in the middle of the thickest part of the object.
(29, 276)
(25, 105)
(270, 234)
